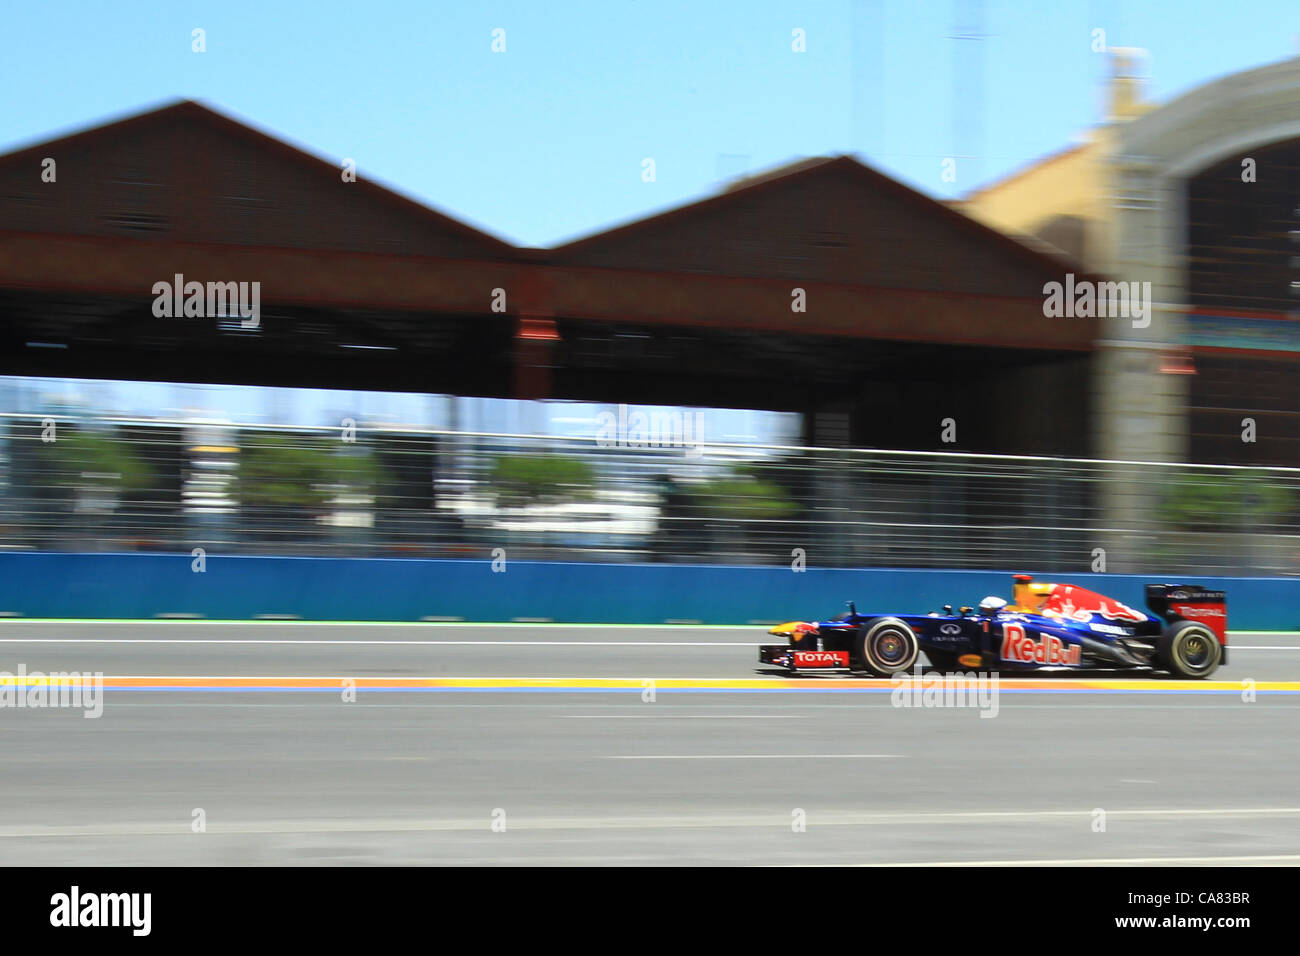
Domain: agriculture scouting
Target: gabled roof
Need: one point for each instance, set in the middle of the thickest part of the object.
(160, 118)
(777, 172)
(812, 170)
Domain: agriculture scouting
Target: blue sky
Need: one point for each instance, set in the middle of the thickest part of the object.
(545, 141)
(27, 395)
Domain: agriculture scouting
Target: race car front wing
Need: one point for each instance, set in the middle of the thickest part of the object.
(781, 655)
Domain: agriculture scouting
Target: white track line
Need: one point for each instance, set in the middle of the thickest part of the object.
(448, 643)
(432, 625)
(758, 757)
(1090, 861)
(209, 622)
(142, 640)
(633, 685)
(685, 716)
(719, 820)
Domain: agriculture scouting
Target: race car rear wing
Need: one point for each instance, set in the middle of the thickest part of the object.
(1190, 602)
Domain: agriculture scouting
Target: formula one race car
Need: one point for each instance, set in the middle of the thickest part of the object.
(1048, 626)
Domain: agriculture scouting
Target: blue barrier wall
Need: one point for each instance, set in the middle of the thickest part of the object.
(369, 589)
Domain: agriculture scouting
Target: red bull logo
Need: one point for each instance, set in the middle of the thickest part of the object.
(1081, 605)
(1047, 650)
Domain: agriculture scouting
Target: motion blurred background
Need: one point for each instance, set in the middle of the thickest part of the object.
(843, 350)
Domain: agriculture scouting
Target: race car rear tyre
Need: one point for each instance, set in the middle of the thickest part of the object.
(1188, 650)
(886, 646)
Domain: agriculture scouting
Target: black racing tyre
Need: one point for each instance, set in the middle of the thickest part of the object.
(886, 646)
(1189, 650)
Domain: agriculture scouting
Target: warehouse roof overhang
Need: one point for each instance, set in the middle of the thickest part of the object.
(827, 248)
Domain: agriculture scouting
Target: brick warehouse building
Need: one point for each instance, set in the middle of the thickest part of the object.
(914, 313)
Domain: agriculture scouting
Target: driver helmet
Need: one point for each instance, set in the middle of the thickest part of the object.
(992, 604)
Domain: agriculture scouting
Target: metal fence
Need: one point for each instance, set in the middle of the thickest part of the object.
(76, 483)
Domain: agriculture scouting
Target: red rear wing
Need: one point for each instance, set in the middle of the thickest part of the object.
(1191, 602)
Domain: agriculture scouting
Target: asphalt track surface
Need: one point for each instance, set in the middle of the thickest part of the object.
(546, 732)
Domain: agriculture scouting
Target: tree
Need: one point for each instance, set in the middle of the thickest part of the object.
(1241, 500)
(519, 480)
(80, 458)
(745, 495)
(296, 472)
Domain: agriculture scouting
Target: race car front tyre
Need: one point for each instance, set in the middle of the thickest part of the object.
(886, 646)
(1188, 650)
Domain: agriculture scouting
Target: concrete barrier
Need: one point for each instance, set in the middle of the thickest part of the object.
(47, 584)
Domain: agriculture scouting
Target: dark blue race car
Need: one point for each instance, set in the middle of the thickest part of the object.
(1047, 626)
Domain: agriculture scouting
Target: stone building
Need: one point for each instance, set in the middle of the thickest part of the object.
(1200, 197)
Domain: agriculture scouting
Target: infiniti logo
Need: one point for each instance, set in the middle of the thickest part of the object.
(950, 629)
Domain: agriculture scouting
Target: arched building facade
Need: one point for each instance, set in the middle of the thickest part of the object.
(1201, 198)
